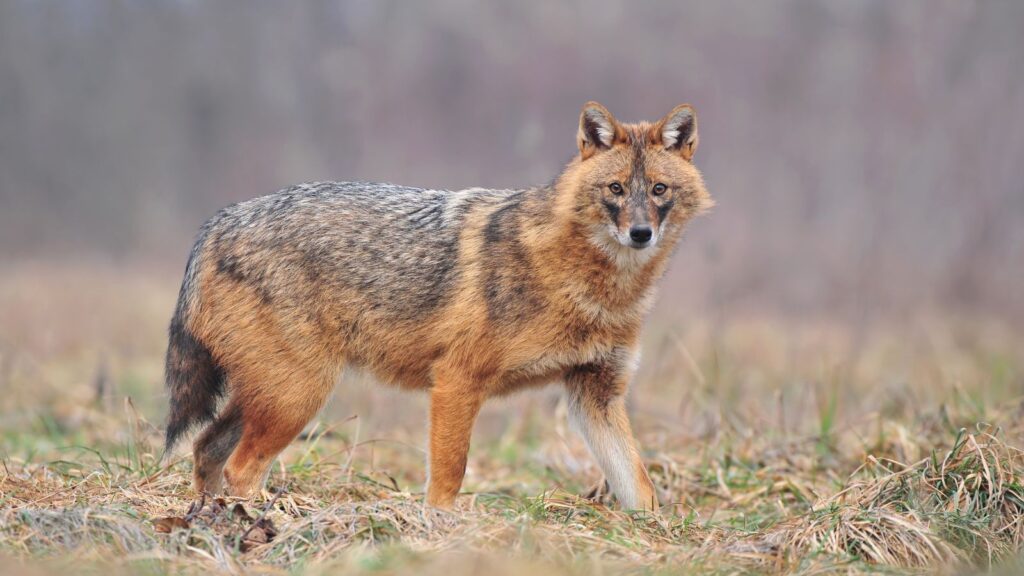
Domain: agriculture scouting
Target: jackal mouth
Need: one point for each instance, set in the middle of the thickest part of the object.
(641, 245)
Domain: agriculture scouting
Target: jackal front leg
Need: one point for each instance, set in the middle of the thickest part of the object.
(597, 409)
(454, 405)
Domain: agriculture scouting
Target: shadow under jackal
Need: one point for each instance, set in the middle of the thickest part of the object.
(466, 294)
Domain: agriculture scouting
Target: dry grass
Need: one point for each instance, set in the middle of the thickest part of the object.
(779, 446)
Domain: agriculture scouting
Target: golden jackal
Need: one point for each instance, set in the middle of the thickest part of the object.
(468, 295)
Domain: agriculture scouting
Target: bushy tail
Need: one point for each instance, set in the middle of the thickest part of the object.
(195, 382)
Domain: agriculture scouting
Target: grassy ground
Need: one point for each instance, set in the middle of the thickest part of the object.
(780, 445)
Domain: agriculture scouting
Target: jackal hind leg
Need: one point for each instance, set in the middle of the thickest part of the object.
(213, 447)
(275, 412)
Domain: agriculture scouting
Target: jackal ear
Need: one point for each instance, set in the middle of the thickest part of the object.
(678, 130)
(598, 129)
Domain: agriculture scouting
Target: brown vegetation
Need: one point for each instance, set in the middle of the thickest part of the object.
(778, 446)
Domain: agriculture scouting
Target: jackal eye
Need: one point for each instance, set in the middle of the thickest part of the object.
(616, 188)
(659, 189)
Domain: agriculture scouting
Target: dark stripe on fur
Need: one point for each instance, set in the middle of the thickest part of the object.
(663, 210)
(511, 294)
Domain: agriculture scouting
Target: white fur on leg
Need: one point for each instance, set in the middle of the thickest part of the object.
(615, 454)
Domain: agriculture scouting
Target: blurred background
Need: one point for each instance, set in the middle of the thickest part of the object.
(854, 301)
(866, 156)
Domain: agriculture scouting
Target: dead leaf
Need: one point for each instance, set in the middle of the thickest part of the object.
(261, 532)
(169, 524)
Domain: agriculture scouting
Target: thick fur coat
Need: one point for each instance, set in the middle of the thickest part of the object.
(466, 294)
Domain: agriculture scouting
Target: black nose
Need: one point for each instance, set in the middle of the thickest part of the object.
(640, 234)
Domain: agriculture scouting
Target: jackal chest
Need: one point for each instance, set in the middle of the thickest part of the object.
(547, 354)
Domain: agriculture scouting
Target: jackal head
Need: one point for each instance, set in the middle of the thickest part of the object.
(636, 183)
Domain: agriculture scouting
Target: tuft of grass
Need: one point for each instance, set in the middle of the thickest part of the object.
(966, 505)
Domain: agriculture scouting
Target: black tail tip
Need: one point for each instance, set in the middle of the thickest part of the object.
(174, 432)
